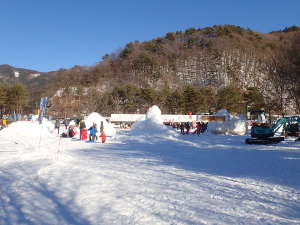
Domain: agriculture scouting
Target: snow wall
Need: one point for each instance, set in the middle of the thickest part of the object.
(152, 125)
(97, 118)
(233, 125)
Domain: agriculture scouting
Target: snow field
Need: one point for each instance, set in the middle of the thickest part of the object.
(150, 175)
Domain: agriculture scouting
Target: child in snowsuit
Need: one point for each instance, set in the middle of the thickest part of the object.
(93, 131)
(103, 137)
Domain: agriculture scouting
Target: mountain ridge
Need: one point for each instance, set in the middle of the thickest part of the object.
(216, 57)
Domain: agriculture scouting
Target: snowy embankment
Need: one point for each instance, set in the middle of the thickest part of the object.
(139, 178)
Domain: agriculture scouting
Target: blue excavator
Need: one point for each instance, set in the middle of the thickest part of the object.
(261, 133)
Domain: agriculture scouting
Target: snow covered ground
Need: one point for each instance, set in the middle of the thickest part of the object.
(146, 179)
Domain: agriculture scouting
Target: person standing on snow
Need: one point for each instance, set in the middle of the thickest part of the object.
(204, 127)
(198, 128)
(187, 127)
(57, 125)
(182, 128)
(4, 121)
(93, 131)
(81, 127)
(103, 137)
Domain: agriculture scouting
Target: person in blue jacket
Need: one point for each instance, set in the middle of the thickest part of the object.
(93, 131)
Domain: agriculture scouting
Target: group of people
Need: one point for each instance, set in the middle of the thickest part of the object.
(90, 133)
(185, 128)
(125, 125)
(93, 132)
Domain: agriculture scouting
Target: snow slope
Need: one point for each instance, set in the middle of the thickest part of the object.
(146, 179)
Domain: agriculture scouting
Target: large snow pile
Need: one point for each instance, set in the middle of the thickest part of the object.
(97, 119)
(152, 125)
(30, 131)
(232, 125)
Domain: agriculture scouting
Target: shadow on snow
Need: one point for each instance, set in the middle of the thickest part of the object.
(227, 156)
(31, 202)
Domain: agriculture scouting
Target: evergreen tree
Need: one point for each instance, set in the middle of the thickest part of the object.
(175, 103)
(126, 98)
(192, 99)
(149, 95)
(208, 99)
(231, 98)
(162, 97)
(254, 99)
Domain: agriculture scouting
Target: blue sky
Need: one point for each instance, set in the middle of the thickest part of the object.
(47, 35)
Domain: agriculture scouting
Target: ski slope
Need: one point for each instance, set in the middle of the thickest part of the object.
(146, 178)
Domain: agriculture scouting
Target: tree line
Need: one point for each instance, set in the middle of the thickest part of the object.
(183, 100)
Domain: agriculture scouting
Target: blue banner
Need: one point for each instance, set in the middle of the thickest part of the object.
(43, 106)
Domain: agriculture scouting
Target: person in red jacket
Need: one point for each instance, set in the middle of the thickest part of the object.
(83, 134)
(103, 137)
(81, 127)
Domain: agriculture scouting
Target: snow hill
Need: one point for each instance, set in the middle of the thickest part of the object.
(143, 178)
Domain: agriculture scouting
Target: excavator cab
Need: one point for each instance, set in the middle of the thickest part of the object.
(293, 126)
(263, 133)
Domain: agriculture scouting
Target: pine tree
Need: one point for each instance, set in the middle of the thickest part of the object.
(254, 99)
(192, 100)
(175, 103)
(231, 98)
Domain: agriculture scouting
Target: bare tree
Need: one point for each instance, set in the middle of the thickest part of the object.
(284, 71)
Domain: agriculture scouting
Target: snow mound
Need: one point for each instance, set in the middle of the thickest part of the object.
(152, 125)
(28, 130)
(46, 124)
(233, 125)
(97, 119)
(154, 114)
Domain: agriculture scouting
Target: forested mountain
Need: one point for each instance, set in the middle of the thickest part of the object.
(198, 70)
